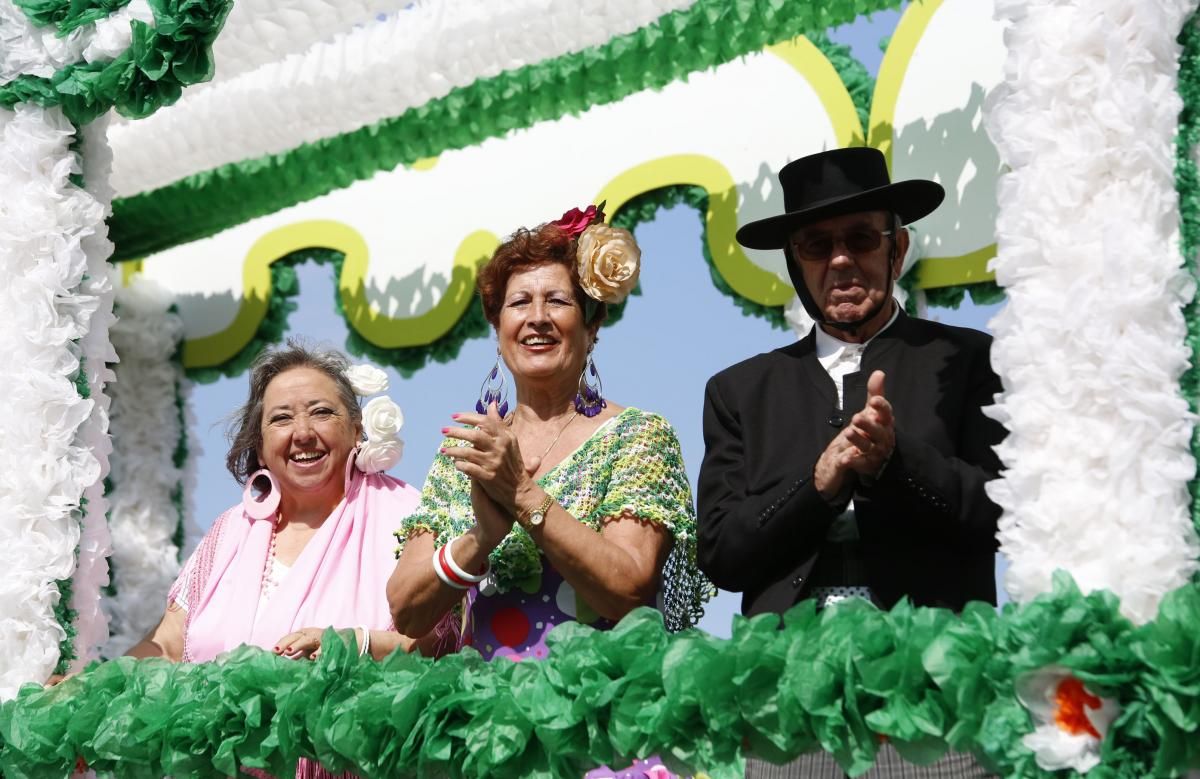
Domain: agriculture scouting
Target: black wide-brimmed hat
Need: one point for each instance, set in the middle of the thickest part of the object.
(836, 182)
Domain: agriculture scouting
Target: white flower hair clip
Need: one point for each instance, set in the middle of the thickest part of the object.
(366, 379)
(381, 420)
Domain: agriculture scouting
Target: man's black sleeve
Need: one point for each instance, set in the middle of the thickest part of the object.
(946, 493)
(747, 539)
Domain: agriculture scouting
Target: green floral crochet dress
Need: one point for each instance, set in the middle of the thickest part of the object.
(631, 465)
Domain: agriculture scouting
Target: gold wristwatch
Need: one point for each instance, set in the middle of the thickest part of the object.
(536, 516)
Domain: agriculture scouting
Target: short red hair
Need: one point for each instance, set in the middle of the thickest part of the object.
(529, 248)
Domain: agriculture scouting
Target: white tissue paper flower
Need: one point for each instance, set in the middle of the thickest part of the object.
(1071, 720)
(366, 379)
(382, 419)
(376, 456)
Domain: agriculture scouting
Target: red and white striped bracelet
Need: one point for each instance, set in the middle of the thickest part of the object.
(451, 573)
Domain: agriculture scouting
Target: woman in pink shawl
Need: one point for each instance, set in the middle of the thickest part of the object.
(310, 546)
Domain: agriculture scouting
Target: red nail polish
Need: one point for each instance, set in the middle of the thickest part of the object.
(455, 416)
(445, 430)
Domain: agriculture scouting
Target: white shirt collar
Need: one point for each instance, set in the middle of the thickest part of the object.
(830, 349)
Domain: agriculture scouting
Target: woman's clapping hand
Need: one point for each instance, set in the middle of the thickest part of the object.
(493, 460)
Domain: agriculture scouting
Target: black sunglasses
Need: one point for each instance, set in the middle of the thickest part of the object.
(857, 240)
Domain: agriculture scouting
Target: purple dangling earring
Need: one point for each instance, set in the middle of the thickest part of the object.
(493, 390)
(589, 400)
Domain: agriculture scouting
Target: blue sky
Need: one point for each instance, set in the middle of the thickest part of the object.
(680, 331)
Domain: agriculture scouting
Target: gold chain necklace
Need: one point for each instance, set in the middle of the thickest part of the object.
(561, 430)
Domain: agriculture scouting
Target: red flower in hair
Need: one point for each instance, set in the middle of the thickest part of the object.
(575, 221)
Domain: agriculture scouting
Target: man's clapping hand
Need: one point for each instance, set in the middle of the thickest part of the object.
(862, 448)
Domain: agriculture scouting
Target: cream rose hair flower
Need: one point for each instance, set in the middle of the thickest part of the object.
(609, 262)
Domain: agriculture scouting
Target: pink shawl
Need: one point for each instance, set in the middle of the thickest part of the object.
(338, 581)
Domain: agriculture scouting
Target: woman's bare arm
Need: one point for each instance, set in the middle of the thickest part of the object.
(166, 639)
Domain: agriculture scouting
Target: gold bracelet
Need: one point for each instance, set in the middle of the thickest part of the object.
(536, 516)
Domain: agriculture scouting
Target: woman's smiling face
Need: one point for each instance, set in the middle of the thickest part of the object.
(541, 330)
(307, 435)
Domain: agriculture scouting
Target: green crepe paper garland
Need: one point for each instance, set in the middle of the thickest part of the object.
(67, 15)
(923, 678)
(151, 73)
(707, 34)
(1187, 179)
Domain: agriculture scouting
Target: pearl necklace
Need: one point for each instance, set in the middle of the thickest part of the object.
(269, 582)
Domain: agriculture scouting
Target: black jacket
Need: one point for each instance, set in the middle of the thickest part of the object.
(926, 527)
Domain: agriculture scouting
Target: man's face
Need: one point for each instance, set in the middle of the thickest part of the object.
(846, 262)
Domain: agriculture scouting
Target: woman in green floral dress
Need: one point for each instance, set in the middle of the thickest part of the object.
(569, 508)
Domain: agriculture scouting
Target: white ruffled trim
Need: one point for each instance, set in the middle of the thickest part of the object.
(259, 32)
(190, 477)
(146, 430)
(91, 572)
(1091, 344)
(371, 73)
(52, 446)
(38, 51)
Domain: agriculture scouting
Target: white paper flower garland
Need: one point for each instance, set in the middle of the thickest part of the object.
(1091, 344)
(371, 73)
(146, 479)
(52, 440)
(91, 571)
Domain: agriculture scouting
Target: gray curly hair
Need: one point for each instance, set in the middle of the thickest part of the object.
(245, 427)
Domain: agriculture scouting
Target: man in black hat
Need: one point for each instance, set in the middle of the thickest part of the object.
(853, 462)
